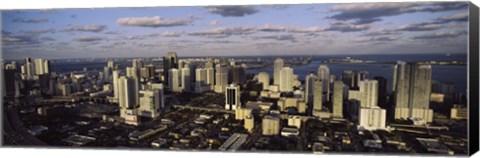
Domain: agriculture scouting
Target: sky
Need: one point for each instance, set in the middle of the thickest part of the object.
(302, 29)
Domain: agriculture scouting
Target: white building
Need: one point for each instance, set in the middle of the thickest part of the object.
(173, 80)
(232, 97)
(372, 118)
(286, 79)
(264, 78)
(277, 67)
(185, 79)
(151, 101)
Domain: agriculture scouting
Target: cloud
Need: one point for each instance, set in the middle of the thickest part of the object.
(213, 23)
(426, 26)
(343, 26)
(88, 39)
(172, 34)
(38, 32)
(376, 39)
(381, 32)
(272, 28)
(460, 17)
(154, 22)
(141, 37)
(10, 39)
(224, 32)
(232, 11)
(87, 28)
(364, 13)
(33, 20)
(441, 35)
(277, 37)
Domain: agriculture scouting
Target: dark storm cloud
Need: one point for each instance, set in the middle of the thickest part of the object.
(362, 13)
(87, 28)
(33, 20)
(154, 22)
(343, 26)
(232, 11)
(441, 35)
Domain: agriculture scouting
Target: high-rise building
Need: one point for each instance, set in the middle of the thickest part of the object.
(28, 69)
(382, 91)
(264, 78)
(413, 89)
(210, 77)
(151, 102)
(138, 63)
(271, 125)
(107, 73)
(372, 118)
(232, 97)
(286, 79)
(277, 67)
(367, 93)
(347, 78)
(221, 78)
(41, 66)
(337, 100)
(249, 123)
(133, 72)
(185, 79)
(174, 80)
(116, 90)
(128, 92)
(323, 73)
(317, 95)
(8, 81)
(238, 75)
(169, 61)
(309, 88)
(111, 64)
(353, 78)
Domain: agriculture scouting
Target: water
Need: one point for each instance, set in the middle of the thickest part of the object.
(455, 74)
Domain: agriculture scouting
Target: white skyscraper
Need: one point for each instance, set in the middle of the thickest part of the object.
(116, 89)
(317, 95)
(185, 79)
(372, 118)
(221, 78)
(28, 69)
(367, 93)
(210, 76)
(174, 80)
(151, 101)
(337, 100)
(264, 78)
(286, 79)
(232, 97)
(277, 67)
(111, 64)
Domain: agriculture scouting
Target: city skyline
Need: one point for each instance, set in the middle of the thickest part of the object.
(324, 29)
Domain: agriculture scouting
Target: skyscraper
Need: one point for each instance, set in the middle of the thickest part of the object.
(174, 83)
(337, 100)
(309, 88)
(277, 67)
(41, 66)
(413, 89)
(128, 93)
(116, 89)
(210, 77)
(271, 125)
(323, 73)
(264, 78)
(28, 69)
(221, 78)
(286, 79)
(382, 91)
(347, 78)
(111, 64)
(133, 72)
(232, 97)
(138, 63)
(185, 79)
(107, 72)
(169, 61)
(317, 95)
(151, 101)
(238, 75)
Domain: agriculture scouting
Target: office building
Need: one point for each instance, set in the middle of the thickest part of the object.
(170, 61)
(295, 121)
(286, 79)
(413, 89)
(185, 79)
(372, 118)
(317, 95)
(241, 113)
(249, 123)
(115, 77)
(107, 73)
(128, 92)
(201, 80)
(337, 100)
(382, 91)
(221, 78)
(264, 78)
(239, 75)
(28, 69)
(367, 94)
(111, 64)
(174, 80)
(137, 63)
(232, 97)
(323, 73)
(309, 88)
(41, 66)
(271, 125)
(277, 67)
(151, 101)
